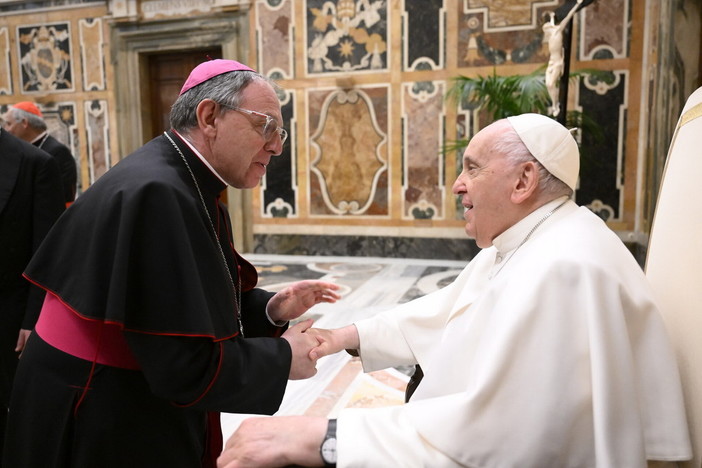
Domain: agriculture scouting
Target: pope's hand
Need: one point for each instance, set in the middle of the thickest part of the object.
(333, 341)
(276, 441)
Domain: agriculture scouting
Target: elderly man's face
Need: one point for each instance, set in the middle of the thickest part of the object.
(240, 152)
(13, 126)
(485, 186)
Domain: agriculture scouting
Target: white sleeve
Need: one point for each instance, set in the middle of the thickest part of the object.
(407, 334)
(382, 344)
(373, 437)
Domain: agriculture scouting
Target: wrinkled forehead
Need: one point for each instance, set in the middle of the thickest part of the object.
(481, 148)
(259, 95)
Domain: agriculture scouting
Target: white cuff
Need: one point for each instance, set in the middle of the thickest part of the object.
(282, 323)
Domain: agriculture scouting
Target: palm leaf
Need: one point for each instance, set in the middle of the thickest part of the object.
(504, 96)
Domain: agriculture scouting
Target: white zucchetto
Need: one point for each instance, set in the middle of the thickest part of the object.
(551, 144)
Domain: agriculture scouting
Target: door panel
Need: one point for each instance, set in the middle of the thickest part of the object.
(167, 73)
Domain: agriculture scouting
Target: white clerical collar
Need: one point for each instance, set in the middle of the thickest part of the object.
(202, 158)
(507, 243)
(513, 236)
(40, 137)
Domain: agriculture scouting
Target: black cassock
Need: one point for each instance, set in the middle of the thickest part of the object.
(137, 251)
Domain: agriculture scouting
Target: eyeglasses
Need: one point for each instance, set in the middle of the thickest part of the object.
(270, 128)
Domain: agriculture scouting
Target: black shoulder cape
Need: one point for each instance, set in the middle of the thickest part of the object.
(137, 249)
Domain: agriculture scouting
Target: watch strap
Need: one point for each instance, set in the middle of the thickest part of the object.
(331, 434)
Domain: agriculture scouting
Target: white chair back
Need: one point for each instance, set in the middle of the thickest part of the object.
(674, 259)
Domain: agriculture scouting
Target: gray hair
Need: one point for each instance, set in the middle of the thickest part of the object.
(34, 120)
(516, 153)
(223, 89)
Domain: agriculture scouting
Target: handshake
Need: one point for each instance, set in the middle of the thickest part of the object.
(306, 343)
(309, 344)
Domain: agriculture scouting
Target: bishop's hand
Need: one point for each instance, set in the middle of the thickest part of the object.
(296, 299)
(302, 365)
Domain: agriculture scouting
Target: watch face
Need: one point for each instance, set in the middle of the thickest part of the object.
(329, 451)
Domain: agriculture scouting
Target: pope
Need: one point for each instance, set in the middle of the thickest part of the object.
(548, 350)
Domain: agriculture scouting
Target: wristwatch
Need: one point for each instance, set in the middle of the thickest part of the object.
(328, 447)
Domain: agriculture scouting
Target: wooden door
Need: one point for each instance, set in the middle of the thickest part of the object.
(167, 73)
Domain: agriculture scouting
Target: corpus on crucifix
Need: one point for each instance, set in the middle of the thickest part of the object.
(553, 33)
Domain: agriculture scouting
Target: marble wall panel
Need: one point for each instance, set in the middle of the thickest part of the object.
(343, 182)
(45, 58)
(275, 21)
(279, 190)
(346, 36)
(158, 9)
(605, 30)
(120, 9)
(91, 48)
(491, 33)
(61, 123)
(97, 126)
(423, 139)
(349, 151)
(510, 14)
(495, 33)
(602, 181)
(5, 70)
(424, 35)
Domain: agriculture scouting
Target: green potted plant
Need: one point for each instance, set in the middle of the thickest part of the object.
(503, 96)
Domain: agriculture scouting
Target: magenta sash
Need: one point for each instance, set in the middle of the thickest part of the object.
(91, 340)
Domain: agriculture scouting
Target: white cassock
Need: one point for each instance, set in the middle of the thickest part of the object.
(554, 356)
(674, 259)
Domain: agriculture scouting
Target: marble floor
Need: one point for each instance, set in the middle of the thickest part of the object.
(369, 285)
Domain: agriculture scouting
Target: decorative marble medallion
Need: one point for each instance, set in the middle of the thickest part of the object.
(348, 152)
(45, 57)
(346, 35)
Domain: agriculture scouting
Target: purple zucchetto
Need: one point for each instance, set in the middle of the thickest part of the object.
(210, 69)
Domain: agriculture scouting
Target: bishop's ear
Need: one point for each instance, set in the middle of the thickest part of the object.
(207, 112)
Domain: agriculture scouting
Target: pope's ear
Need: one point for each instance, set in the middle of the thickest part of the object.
(526, 183)
(207, 111)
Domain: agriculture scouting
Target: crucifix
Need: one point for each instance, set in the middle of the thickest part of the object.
(559, 33)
